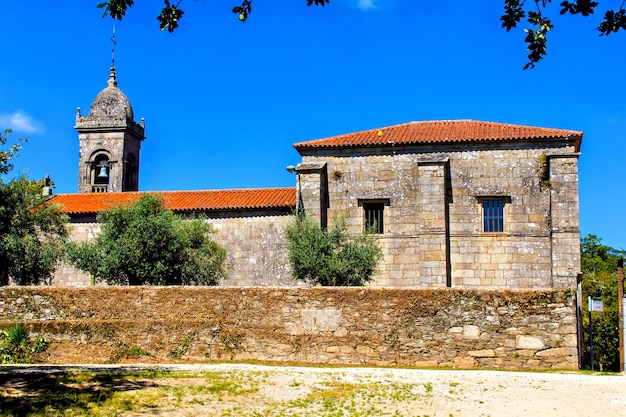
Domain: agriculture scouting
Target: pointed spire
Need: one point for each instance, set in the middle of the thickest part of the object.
(112, 78)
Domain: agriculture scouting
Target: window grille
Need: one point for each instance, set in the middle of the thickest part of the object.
(493, 215)
(374, 217)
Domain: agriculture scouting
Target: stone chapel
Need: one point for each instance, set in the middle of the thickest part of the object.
(454, 203)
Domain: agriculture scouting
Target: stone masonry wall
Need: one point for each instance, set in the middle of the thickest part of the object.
(357, 326)
(256, 249)
(565, 217)
(434, 214)
(67, 275)
(255, 245)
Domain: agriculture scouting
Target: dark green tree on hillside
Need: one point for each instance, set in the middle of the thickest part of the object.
(330, 257)
(600, 280)
(32, 233)
(146, 244)
(535, 12)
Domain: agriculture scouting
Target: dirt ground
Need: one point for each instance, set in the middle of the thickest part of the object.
(469, 393)
(291, 391)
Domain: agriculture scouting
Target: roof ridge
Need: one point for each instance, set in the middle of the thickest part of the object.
(129, 193)
(441, 131)
(283, 198)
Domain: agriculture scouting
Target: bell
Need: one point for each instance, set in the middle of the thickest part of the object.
(103, 172)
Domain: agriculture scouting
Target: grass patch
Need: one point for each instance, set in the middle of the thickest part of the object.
(136, 352)
(220, 393)
(110, 393)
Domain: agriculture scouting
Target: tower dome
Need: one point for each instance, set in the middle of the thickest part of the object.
(111, 102)
(110, 142)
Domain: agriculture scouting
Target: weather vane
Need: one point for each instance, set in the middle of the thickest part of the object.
(113, 43)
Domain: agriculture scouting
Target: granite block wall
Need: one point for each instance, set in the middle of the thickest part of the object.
(256, 250)
(434, 233)
(502, 329)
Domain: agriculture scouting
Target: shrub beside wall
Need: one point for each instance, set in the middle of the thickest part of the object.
(522, 329)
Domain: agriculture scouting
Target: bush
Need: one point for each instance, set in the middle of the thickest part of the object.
(146, 244)
(330, 257)
(17, 347)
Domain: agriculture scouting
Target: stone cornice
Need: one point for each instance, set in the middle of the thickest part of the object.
(87, 124)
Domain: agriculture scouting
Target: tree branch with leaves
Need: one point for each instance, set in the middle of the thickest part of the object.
(534, 11)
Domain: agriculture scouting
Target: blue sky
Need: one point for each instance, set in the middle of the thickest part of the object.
(224, 101)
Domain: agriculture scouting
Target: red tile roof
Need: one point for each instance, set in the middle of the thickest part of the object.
(441, 131)
(183, 201)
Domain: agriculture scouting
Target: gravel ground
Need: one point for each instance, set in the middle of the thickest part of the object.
(400, 392)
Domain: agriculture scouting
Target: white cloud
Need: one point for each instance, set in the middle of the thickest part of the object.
(20, 122)
(366, 4)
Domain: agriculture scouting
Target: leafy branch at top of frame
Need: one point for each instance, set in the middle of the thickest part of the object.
(536, 36)
(533, 11)
(172, 13)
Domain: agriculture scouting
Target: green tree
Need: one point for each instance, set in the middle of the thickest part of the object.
(32, 233)
(146, 244)
(330, 257)
(600, 280)
(534, 11)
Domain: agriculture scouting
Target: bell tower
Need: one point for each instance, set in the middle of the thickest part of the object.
(109, 141)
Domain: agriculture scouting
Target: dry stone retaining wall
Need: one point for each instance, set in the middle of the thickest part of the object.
(523, 329)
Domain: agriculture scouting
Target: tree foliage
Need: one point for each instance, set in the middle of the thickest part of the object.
(6, 155)
(32, 233)
(330, 257)
(171, 12)
(536, 14)
(146, 244)
(600, 280)
(534, 11)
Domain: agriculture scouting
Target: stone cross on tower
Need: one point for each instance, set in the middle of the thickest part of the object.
(113, 43)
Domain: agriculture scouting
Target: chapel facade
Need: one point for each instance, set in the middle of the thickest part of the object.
(460, 203)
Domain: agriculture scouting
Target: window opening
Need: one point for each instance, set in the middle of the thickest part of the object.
(374, 217)
(130, 173)
(102, 167)
(493, 215)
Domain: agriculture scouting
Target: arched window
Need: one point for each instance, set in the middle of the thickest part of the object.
(101, 170)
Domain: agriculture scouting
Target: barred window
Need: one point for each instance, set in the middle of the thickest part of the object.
(493, 215)
(374, 217)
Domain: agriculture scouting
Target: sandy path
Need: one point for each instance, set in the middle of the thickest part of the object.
(460, 393)
(410, 392)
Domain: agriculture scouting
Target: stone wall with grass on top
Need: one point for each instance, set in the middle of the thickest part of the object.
(504, 329)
